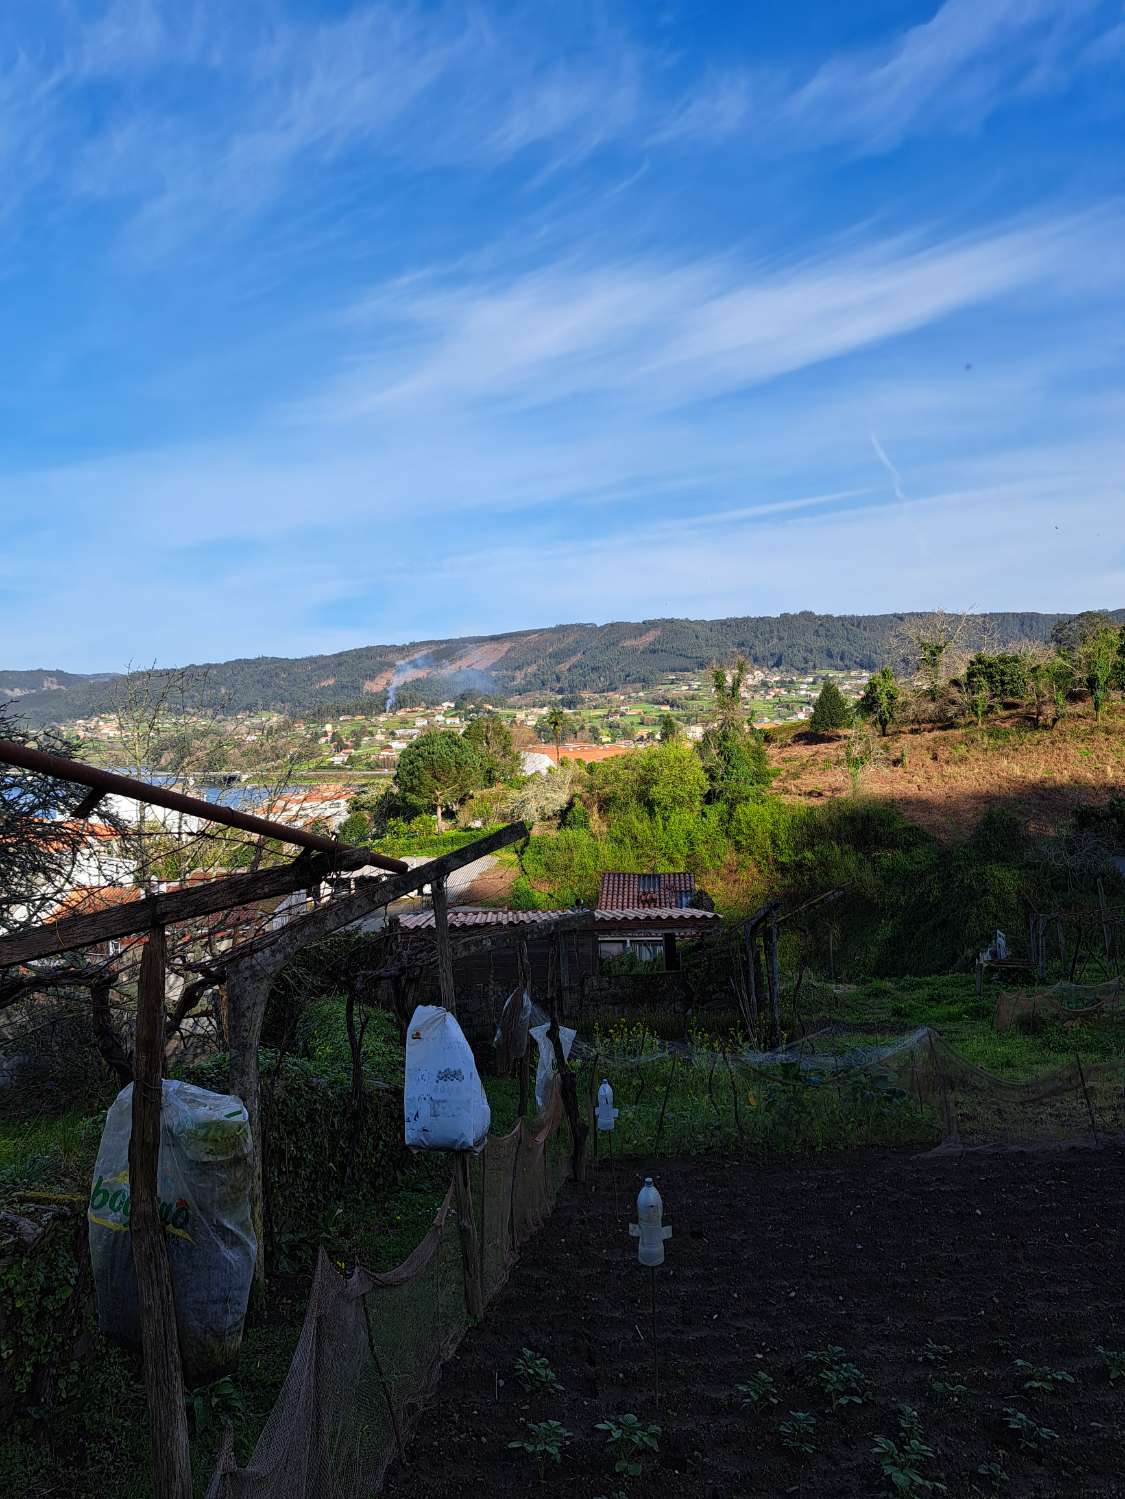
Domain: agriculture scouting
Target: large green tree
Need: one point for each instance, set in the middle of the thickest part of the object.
(831, 710)
(880, 698)
(491, 737)
(440, 768)
(736, 764)
(1098, 663)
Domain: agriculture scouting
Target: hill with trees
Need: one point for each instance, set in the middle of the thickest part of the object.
(563, 659)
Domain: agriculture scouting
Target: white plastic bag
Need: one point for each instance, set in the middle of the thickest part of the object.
(203, 1186)
(546, 1072)
(444, 1100)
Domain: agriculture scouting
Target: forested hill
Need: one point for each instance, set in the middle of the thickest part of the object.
(562, 658)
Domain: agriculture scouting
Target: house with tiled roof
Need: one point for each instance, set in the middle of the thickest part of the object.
(634, 892)
(651, 934)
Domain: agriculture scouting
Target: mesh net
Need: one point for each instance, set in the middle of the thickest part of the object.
(912, 1090)
(1066, 1002)
(372, 1345)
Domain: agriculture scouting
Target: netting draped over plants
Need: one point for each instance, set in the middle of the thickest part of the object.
(1060, 1002)
(912, 1090)
(372, 1345)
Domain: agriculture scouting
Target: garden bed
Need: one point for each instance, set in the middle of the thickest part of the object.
(923, 1273)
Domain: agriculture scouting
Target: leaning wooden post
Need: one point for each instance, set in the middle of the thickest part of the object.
(164, 1380)
(444, 950)
(524, 1064)
(773, 967)
(579, 1130)
(752, 979)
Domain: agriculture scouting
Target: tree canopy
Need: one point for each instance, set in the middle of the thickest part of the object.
(831, 710)
(881, 698)
(440, 768)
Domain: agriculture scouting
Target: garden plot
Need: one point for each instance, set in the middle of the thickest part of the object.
(848, 1325)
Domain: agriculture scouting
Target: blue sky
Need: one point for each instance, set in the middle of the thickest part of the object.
(329, 323)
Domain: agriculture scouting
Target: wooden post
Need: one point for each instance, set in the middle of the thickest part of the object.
(524, 1067)
(470, 1243)
(248, 988)
(164, 1381)
(579, 1130)
(752, 979)
(773, 967)
(444, 951)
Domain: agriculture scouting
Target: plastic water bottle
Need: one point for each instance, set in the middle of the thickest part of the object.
(606, 1113)
(649, 1228)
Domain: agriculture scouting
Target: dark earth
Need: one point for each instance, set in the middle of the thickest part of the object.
(993, 1257)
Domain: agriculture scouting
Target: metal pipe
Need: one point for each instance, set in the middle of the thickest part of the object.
(107, 781)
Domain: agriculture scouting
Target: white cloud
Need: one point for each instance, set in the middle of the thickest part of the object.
(949, 73)
(645, 332)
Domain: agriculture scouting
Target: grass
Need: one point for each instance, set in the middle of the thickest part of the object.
(886, 1007)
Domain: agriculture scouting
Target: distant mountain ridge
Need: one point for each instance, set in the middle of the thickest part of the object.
(557, 659)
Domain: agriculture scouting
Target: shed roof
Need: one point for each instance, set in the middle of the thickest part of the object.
(465, 917)
(622, 892)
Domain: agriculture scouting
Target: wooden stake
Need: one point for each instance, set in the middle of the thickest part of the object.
(752, 981)
(774, 973)
(655, 1356)
(1086, 1096)
(664, 1104)
(470, 1244)
(164, 1383)
(579, 1129)
(444, 951)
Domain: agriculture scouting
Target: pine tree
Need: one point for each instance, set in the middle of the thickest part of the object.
(831, 710)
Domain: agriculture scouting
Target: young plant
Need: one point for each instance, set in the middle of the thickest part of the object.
(221, 1401)
(840, 1380)
(949, 1389)
(1031, 1436)
(799, 1432)
(995, 1475)
(932, 1353)
(909, 1423)
(758, 1392)
(544, 1442)
(1114, 1361)
(1039, 1377)
(630, 1443)
(899, 1462)
(536, 1375)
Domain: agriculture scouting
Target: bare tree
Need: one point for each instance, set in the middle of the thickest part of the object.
(934, 647)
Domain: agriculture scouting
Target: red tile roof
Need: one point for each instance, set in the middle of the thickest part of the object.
(86, 900)
(621, 892)
(463, 917)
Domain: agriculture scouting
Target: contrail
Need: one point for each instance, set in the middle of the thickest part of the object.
(890, 468)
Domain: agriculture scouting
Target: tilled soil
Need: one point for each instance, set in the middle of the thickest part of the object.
(993, 1257)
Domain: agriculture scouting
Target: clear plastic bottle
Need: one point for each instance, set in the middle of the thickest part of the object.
(649, 1227)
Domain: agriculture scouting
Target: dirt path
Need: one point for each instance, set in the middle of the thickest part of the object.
(994, 1258)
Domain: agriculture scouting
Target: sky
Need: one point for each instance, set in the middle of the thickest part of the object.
(329, 322)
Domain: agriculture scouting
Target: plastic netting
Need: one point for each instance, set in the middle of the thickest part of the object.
(1066, 1002)
(817, 1095)
(372, 1345)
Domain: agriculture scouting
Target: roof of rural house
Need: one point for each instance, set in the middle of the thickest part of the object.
(621, 892)
(463, 917)
(87, 900)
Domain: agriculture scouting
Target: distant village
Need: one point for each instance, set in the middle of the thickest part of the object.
(306, 773)
(599, 725)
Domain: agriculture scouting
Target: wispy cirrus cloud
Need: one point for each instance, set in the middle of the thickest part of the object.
(649, 333)
(946, 74)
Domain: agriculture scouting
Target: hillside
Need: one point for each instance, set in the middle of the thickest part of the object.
(562, 658)
(945, 780)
